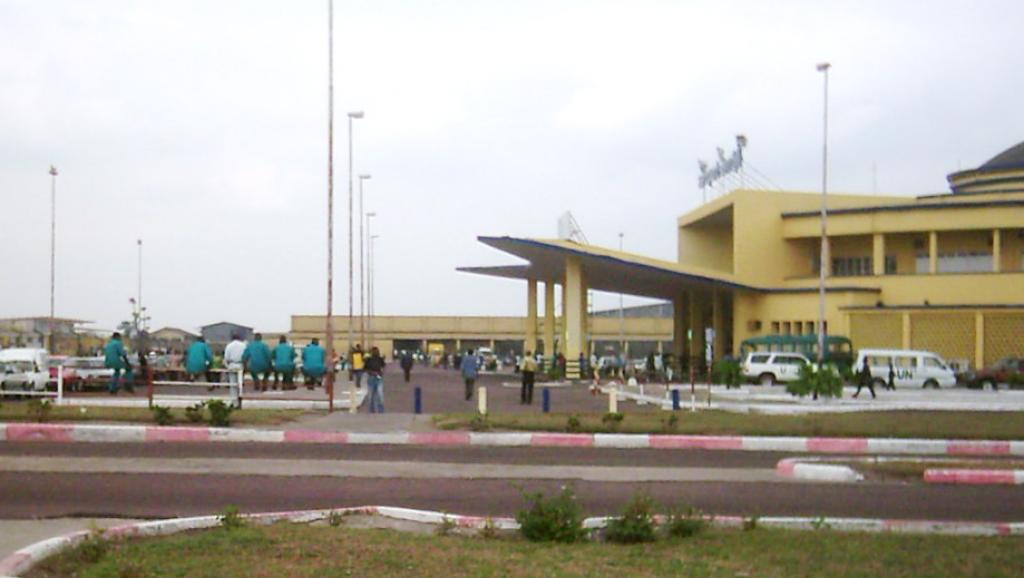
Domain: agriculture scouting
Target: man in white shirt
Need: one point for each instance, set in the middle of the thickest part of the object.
(233, 357)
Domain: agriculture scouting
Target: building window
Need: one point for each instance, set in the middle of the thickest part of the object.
(890, 265)
(851, 266)
(957, 262)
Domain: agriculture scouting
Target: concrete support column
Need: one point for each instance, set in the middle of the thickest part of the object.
(423, 346)
(906, 331)
(997, 252)
(549, 323)
(979, 340)
(458, 345)
(530, 343)
(933, 252)
(575, 315)
(680, 319)
(718, 324)
(878, 254)
(696, 329)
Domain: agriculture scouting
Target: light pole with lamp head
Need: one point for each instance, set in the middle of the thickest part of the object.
(53, 250)
(372, 285)
(351, 262)
(824, 260)
(362, 267)
(369, 278)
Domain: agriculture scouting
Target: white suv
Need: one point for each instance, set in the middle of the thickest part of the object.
(769, 368)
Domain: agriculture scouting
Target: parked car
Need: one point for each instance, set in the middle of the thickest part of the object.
(768, 368)
(912, 368)
(89, 371)
(995, 374)
(25, 369)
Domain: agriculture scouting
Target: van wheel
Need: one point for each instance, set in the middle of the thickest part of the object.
(766, 379)
(931, 383)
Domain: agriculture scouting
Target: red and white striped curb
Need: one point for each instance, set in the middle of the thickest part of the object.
(26, 558)
(143, 433)
(797, 468)
(964, 476)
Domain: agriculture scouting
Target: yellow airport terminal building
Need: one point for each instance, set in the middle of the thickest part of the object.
(943, 273)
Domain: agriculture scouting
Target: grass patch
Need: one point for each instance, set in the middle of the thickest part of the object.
(901, 424)
(914, 470)
(294, 550)
(18, 411)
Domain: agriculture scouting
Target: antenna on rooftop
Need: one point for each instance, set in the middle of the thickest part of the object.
(570, 230)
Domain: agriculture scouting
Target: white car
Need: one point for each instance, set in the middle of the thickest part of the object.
(910, 368)
(769, 368)
(24, 369)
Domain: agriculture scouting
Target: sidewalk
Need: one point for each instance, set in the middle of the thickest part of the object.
(16, 534)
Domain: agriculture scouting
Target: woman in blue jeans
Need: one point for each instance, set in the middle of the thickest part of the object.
(374, 367)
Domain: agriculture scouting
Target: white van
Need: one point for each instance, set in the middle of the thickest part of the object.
(912, 368)
(24, 368)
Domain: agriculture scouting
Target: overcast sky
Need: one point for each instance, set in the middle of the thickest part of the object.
(201, 128)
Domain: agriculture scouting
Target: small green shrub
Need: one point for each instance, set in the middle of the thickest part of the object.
(685, 523)
(335, 519)
(750, 524)
(231, 519)
(1016, 381)
(194, 413)
(636, 524)
(446, 527)
(727, 372)
(612, 420)
(92, 548)
(489, 531)
(573, 424)
(671, 424)
(824, 381)
(819, 524)
(559, 519)
(479, 423)
(220, 413)
(39, 410)
(162, 415)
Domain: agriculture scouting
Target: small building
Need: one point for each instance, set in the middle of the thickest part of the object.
(34, 332)
(220, 333)
(171, 338)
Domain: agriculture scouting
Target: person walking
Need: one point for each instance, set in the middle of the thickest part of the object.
(198, 358)
(528, 369)
(358, 365)
(233, 358)
(256, 360)
(470, 369)
(116, 359)
(864, 379)
(313, 363)
(374, 367)
(406, 363)
(284, 363)
(891, 384)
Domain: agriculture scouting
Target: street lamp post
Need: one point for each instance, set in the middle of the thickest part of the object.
(369, 280)
(53, 250)
(373, 284)
(329, 330)
(622, 317)
(823, 68)
(351, 262)
(362, 267)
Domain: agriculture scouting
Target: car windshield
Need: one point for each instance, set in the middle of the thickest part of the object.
(18, 367)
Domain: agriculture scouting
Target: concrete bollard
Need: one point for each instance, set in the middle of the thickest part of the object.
(546, 399)
(481, 396)
(417, 405)
(353, 406)
(613, 401)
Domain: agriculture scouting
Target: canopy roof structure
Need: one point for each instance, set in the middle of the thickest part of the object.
(606, 269)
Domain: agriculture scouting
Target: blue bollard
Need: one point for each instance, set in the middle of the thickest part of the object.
(547, 400)
(417, 400)
(675, 400)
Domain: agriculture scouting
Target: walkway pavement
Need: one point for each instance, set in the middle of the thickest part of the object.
(16, 534)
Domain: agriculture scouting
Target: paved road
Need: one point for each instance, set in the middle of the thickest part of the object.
(28, 494)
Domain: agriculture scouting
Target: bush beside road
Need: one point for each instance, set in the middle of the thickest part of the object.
(898, 424)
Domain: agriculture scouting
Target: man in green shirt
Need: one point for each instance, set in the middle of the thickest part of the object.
(256, 360)
(115, 358)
